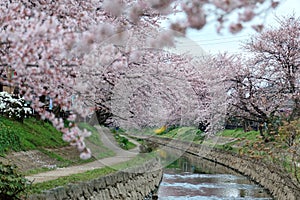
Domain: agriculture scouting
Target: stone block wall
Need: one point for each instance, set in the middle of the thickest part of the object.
(134, 184)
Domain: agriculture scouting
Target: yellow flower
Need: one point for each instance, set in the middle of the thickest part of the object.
(160, 130)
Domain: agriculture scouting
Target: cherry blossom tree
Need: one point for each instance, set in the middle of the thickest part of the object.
(157, 92)
(48, 43)
(215, 99)
(251, 98)
(277, 58)
(264, 87)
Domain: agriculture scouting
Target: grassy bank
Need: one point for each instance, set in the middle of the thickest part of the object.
(41, 136)
(29, 135)
(179, 133)
(281, 150)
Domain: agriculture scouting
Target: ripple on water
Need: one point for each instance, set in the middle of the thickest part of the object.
(209, 187)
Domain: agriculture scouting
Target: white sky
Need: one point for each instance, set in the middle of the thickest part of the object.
(213, 42)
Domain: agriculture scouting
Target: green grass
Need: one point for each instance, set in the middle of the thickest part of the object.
(123, 142)
(184, 134)
(31, 134)
(37, 171)
(239, 133)
(242, 138)
(62, 181)
(88, 175)
(39, 135)
(181, 133)
(130, 145)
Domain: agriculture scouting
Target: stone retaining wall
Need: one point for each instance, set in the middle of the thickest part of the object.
(279, 185)
(134, 184)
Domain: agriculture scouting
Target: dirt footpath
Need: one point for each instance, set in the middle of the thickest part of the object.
(109, 141)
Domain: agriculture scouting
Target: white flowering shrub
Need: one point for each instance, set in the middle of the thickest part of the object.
(14, 107)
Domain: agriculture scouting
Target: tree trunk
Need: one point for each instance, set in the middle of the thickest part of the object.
(261, 130)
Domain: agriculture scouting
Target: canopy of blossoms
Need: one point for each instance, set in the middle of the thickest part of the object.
(51, 47)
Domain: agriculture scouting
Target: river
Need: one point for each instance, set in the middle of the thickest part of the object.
(198, 179)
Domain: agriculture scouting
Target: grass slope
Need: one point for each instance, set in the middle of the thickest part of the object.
(29, 135)
(239, 133)
(39, 135)
(183, 133)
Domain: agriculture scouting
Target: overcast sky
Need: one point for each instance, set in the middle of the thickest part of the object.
(211, 42)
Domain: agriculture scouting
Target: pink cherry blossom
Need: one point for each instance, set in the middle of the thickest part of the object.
(86, 154)
(78, 52)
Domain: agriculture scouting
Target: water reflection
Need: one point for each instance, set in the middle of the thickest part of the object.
(177, 183)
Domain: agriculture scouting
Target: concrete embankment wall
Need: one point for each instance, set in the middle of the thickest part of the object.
(134, 184)
(279, 185)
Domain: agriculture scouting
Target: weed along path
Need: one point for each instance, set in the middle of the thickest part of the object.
(108, 140)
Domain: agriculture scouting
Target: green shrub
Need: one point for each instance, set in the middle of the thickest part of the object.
(12, 183)
(123, 142)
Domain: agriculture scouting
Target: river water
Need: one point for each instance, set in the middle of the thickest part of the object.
(203, 180)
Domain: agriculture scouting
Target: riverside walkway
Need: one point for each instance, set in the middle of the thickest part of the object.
(107, 139)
